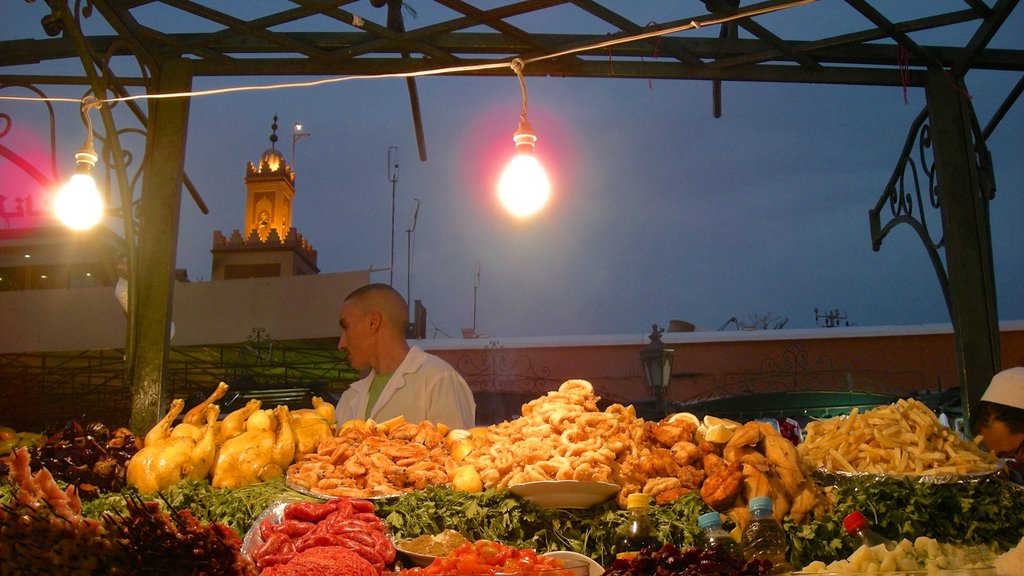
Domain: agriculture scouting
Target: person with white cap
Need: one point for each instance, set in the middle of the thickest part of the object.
(1000, 416)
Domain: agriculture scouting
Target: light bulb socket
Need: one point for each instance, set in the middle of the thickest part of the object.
(86, 160)
(524, 137)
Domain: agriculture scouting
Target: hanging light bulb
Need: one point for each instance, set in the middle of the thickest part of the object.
(524, 187)
(79, 204)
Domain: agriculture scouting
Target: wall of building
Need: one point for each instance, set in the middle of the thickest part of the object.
(885, 360)
(295, 307)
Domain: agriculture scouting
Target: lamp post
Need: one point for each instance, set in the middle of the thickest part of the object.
(297, 134)
(657, 362)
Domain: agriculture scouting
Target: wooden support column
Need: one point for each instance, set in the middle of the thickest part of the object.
(967, 234)
(154, 260)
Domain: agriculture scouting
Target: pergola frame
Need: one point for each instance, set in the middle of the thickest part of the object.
(881, 53)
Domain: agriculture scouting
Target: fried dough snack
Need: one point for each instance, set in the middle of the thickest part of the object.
(365, 459)
(563, 436)
(560, 436)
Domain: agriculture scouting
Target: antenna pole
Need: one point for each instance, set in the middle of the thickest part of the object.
(476, 284)
(408, 254)
(393, 177)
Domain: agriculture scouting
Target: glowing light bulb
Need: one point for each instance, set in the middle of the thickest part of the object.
(79, 205)
(524, 187)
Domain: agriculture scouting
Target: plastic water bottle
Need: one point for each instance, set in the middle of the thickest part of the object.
(715, 537)
(637, 533)
(763, 537)
(859, 529)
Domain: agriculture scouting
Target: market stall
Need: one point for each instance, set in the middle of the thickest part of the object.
(254, 484)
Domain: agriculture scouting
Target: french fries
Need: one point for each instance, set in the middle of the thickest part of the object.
(903, 438)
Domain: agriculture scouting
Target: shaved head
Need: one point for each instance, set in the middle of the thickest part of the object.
(384, 299)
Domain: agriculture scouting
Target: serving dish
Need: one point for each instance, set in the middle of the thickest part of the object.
(358, 494)
(924, 477)
(423, 550)
(594, 569)
(253, 539)
(570, 494)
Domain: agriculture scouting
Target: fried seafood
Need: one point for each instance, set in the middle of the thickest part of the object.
(366, 459)
(720, 488)
(770, 466)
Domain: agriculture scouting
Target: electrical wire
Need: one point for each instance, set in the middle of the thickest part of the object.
(710, 20)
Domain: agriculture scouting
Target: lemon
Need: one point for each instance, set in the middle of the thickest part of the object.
(460, 448)
(456, 434)
(685, 417)
(711, 421)
(719, 434)
(481, 435)
(465, 478)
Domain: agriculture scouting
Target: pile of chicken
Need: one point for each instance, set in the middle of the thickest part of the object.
(247, 446)
(563, 436)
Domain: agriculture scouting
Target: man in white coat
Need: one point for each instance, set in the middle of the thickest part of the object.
(402, 381)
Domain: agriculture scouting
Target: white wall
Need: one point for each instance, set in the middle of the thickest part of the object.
(222, 312)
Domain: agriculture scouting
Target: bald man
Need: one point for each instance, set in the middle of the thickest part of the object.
(402, 381)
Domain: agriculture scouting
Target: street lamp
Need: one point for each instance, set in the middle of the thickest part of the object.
(657, 363)
(297, 134)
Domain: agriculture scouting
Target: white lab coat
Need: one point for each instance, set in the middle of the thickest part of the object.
(423, 387)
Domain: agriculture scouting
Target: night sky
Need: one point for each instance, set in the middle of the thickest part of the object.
(659, 210)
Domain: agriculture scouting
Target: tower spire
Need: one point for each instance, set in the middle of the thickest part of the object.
(273, 133)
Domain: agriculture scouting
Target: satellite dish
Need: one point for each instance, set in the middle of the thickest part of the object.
(680, 326)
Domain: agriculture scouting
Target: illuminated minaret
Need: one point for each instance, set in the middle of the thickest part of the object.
(271, 246)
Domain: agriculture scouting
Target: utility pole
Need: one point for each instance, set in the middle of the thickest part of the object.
(393, 177)
(476, 284)
(408, 255)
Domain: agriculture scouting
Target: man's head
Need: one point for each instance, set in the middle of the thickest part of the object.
(1000, 415)
(373, 320)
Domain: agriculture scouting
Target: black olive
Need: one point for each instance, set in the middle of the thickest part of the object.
(98, 430)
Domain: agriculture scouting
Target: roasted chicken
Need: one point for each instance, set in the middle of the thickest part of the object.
(262, 452)
(311, 425)
(168, 458)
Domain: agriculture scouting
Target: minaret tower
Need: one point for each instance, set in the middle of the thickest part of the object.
(269, 190)
(271, 246)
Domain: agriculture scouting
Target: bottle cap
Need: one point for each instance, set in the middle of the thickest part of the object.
(709, 519)
(761, 503)
(854, 521)
(638, 500)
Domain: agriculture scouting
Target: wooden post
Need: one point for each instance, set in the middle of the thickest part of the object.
(157, 243)
(967, 235)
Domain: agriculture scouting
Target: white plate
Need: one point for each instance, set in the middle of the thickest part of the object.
(565, 555)
(565, 493)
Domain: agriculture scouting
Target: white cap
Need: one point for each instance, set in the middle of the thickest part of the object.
(1007, 387)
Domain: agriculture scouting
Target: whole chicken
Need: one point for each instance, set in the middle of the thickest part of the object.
(169, 458)
(192, 422)
(196, 415)
(311, 425)
(234, 423)
(263, 451)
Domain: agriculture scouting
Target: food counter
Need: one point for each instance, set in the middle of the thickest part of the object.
(538, 482)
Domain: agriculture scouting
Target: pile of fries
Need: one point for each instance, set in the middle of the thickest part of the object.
(903, 438)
